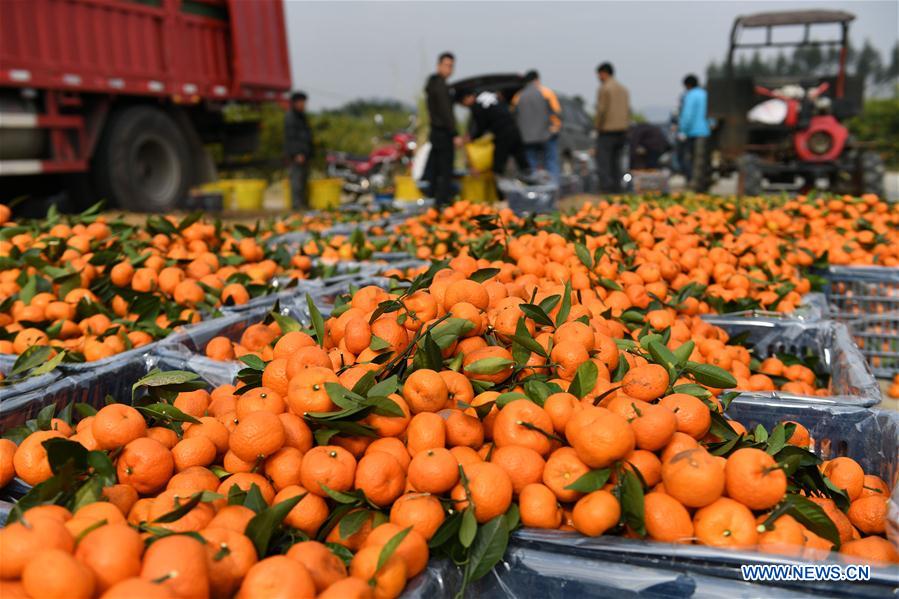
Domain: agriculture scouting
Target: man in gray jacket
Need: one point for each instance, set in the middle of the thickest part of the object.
(538, 112)
(298, 145)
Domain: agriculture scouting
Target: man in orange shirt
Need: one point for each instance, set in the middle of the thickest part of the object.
(539, 117)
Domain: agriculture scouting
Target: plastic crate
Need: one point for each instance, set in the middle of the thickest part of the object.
(859, 291)
(530, 199)
(851, 379)
(553, 564)
(187, 350)
(878, 340)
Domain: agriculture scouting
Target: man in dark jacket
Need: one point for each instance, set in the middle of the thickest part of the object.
(443, 136)
(298, 147)
(490, 114)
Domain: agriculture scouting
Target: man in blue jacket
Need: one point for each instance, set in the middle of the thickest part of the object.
(693, 128)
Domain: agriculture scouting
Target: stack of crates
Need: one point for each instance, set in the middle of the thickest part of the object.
(866, 298)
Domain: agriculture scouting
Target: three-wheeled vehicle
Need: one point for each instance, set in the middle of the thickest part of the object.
(789, 132)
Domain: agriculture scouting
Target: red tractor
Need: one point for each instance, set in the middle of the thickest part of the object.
(787, 133)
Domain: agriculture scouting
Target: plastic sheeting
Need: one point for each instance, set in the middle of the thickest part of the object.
(562, 565)
(851, 379)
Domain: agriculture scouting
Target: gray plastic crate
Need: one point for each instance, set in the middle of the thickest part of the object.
(865, 297)
(851, 379)
(553, 564)
(878, 340)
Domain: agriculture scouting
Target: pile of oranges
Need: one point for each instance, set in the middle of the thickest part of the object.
(424, 421)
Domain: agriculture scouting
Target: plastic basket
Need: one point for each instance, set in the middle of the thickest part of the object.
(851, 379)
(530, 199)
(553, 564)
(858, 291)
(878, 340)
(406, 189)
(324, 194)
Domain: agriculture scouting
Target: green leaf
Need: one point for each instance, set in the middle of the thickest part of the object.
(583, 254)
(285, 323)
(524, 339)
(469, 527)
(813, 517)
(185, 508)
(254, 362)
(173, 380)
(318, 322)
(31, 358)
(488, 548)
(760, 435)
(483, 274)
(390, 547)
(683, 353)
(254, 499)
(385, 388)
(537, 391)
(61, 452)
(509, 397)
(352, 522)
(448, 530)
(261, 528)
(50, 364)
(28, 290)
(378, 344)
(428, 355)
(493, 365)
(536, 314)
(565, 308)
(447, 332)
(630, 494)
(584, 379)
(777, 439)
(167, 413)
(609, 284)
(662, 355)
(102, 466)
(591, 481)
(711, 375)
(692, 389)
(361, 387)
(339, 496)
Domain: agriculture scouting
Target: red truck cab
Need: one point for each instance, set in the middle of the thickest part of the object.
(129, 91)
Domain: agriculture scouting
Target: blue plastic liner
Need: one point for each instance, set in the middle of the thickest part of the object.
(851, 379)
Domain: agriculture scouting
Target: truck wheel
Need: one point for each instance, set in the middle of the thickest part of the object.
(750, 175)
(870, 173)
(143, 162)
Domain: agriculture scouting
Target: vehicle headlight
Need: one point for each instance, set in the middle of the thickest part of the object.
(820, 142)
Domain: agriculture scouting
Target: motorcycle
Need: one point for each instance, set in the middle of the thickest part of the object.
(362, 175)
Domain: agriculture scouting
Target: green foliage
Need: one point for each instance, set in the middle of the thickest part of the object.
(879, 124)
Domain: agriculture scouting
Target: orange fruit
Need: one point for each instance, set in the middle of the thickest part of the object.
(113, 553)
(381, 477)
(846, 474)
(232, 517)
(145, 464)
(388, 580)
(348, 588)
(523, 465)
(753, 478)
(869, 514)
(257, 436)
(229, 556)
(116, 425)
(563, 467)
(725, 523)
(307, 392)
(522, 422)
(425, 431)
(872, 549)
(198, 451)
(595, 513)
(137, 587)
(645, 382)
(55, 574)
(784, 536)
(327, 465)
(277, 577)
(422, 511)
(491, 491)
(413, 549)
(599, 436)
(425, 391)
(179, 562)
(433, 471)
(693, 477)
(260, 399)
(693, 416)
(321, 563)
(666, 519)
(539, 507)
(19, 544)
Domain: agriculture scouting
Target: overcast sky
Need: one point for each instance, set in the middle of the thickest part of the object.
(342, 50)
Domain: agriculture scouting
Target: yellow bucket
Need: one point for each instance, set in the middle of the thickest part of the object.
(406, 189)
(240, 194)
(324, 194)
(479, 189)
(480, 154)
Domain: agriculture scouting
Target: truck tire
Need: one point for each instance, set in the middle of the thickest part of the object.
(143, 161)
(750, 175)
(870, 173)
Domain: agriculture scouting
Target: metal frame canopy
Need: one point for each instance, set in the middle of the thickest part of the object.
(806, 18)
